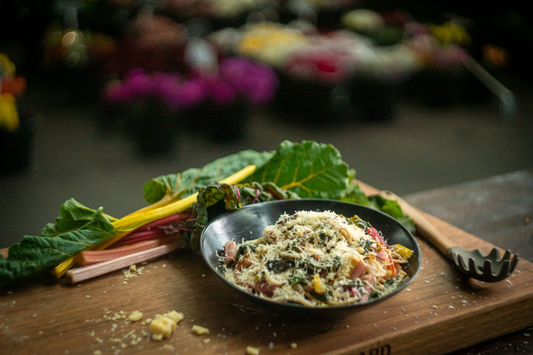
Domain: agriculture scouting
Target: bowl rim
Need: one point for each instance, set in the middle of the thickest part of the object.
(265, 302)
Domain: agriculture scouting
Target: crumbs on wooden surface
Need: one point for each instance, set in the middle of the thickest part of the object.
(176, 316)
(135, 316)
(132, 271)
(198, 330)
(163, 325)
(252, 351)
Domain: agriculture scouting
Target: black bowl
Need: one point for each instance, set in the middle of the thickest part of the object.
(249, 223)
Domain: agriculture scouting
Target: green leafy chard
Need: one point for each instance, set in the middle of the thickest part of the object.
(305, 170)
(355, 194)
(191, 180)
(72, 215)
(77, 228)
(233, 197)
(309, 169)
(393, 209)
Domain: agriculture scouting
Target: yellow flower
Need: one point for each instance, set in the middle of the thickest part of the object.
(9, 117)
(269, 43)
(451, 33)
(6, 66)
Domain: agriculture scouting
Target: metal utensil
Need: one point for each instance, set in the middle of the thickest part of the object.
(476, 264)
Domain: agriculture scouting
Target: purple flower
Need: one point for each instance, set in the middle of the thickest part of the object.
(193, 91)
(220, 91)
(137, 71)
(256, 82)
(139, 86)
(164, 88)
(136, 85)
(185, 94)
(237, 78)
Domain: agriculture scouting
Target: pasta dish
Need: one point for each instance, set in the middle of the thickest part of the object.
(316, 259)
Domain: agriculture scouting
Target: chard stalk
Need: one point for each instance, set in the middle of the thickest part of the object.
(147, 215)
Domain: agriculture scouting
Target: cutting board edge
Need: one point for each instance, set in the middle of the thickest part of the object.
(441, 342)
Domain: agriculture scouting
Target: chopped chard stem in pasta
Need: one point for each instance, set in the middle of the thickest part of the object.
(316, 259)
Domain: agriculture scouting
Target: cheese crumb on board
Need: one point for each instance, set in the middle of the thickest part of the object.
(175, 316)
(162, 327)
(252, 351)
(135, 316)
(157, 337)
(200, 330)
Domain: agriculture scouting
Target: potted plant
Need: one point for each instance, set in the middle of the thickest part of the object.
(442, 51)
(238, 85)
(147, 104)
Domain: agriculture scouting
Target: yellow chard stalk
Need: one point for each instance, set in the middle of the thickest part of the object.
(144, 216)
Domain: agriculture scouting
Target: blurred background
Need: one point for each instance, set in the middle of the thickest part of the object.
(99, 96)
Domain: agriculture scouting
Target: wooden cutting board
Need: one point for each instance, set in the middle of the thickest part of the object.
(441, 311)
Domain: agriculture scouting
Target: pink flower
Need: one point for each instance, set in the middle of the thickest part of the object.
(257, 82)
(448, 56)
(237, 78)
(192, 92)
(187, 94)
(319, 66)
(222, 92)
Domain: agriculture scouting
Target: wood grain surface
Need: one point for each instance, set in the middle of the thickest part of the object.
(442, 311)
(497, 209)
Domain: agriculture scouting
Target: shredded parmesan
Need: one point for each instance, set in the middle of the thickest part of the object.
(316, 259)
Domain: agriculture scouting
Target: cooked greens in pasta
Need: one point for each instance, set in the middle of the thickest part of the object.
(316, 259)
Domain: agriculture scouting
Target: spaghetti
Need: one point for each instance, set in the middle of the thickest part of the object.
(316, 259)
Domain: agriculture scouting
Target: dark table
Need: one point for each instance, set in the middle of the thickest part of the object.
(498, 210)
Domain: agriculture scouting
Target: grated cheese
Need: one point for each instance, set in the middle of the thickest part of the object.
(314, 258)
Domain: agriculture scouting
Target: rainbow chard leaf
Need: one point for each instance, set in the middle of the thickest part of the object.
(208, 197)
(229, 198)
(75, 230)
(309, 169)
(393, 209)
(305, 170)
(191, 180)
(72, 215)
